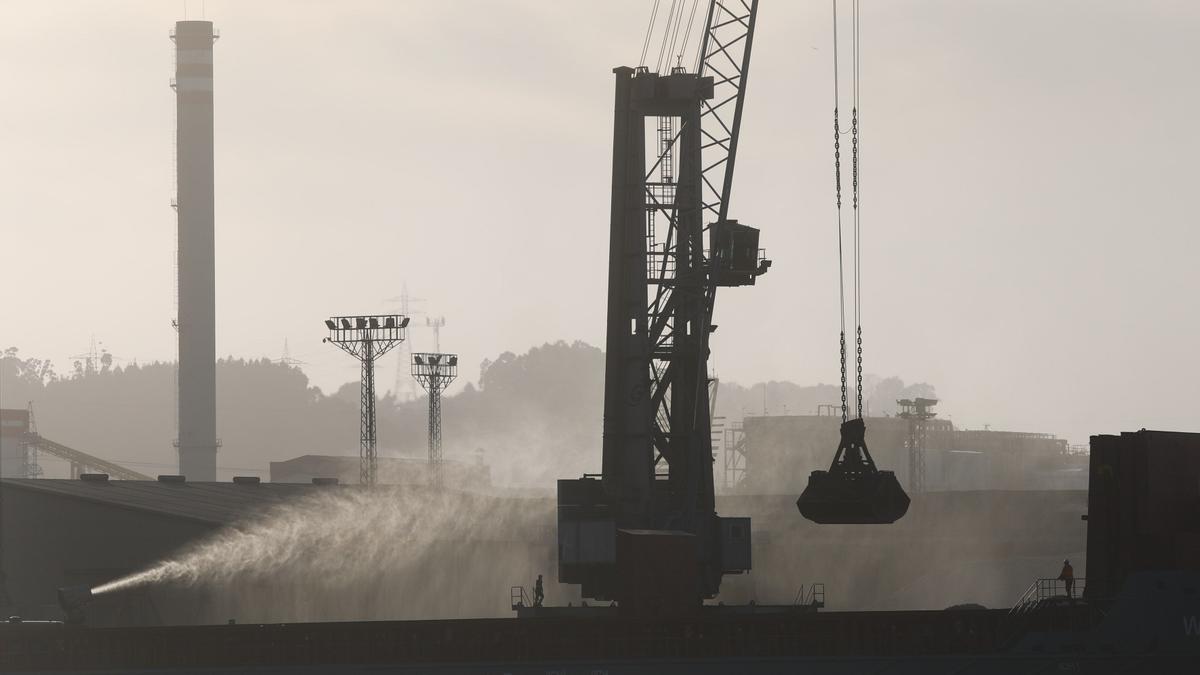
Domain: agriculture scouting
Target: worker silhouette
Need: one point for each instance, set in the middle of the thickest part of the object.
(1067, 576)
(539, 594)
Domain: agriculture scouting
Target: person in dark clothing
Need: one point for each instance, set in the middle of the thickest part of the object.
(1067, 576)
(539, 594)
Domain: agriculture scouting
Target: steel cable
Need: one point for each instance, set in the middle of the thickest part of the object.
(649, 32)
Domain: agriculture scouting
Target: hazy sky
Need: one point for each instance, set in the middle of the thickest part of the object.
(1030, 236)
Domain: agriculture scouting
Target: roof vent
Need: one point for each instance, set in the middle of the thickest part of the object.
(171, 478)
(324, 481)
(94, 477)
(247, 480)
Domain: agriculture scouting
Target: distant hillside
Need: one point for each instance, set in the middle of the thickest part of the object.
(786, 398)
(535, 416)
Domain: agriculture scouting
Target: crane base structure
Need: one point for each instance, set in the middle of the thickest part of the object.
(656, 571)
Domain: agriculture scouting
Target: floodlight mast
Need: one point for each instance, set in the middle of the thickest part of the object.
(435, 371)
(366, 338)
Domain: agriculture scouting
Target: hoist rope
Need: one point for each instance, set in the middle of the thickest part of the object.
(687, 33)
(856, 203)
(837, 179)
(674, 33)
(662, 49)
(857, 212)
(649, 33)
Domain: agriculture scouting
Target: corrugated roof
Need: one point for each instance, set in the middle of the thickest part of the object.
(217, 503)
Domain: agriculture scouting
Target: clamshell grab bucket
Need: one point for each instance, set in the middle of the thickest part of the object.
(853, 491)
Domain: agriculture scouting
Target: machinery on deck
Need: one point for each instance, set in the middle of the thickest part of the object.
(649, 521)
(73, 600)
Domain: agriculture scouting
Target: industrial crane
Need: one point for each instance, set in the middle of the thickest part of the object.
(671, 246)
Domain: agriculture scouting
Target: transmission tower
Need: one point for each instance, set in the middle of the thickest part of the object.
(917, 411)
(97, 358)
(367, 338)
(286, 359)
(436, 325)
(404, 389)
(435, 372)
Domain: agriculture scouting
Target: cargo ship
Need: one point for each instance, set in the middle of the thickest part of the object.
(1136, 610)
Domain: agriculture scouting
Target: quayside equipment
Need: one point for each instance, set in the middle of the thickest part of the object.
(647, 526)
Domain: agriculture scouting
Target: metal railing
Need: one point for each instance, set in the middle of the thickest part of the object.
(660, 264)
(812, 596)
(519, 598)
(1046, 592)
(660, 195)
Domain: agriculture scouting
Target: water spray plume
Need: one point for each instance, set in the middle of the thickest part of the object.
(346, 539)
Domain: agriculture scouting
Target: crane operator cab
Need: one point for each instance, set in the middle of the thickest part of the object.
(853, 491)
(737, 259)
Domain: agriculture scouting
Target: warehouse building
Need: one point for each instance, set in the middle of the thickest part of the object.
(778, 452)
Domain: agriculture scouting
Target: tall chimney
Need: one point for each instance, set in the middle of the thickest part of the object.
(196, 322)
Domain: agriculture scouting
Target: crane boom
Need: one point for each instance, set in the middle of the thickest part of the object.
(725, 53)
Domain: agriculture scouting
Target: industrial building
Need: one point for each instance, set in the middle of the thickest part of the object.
(15, 459)
(392, 471)
(24, 451)
(772, 454)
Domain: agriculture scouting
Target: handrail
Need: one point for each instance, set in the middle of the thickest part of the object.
(1042, 590)
(814, 597)
(519, 598)
(1026, 598)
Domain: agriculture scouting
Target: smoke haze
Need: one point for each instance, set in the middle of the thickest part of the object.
(531, 418)
(1016, 155)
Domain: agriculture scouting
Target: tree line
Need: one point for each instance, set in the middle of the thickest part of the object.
(532, 417)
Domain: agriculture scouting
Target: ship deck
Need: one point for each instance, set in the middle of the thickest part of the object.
(455, 645)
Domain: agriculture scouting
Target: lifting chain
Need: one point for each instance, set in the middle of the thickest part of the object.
(844, 413)
(857, 295)
(837, 158)
(854, 155)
